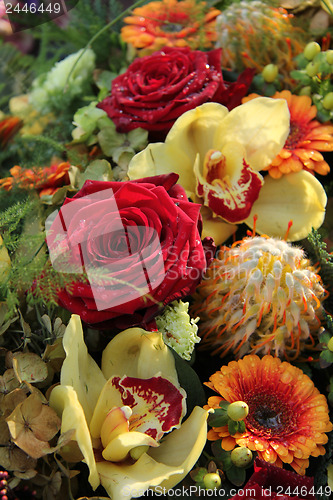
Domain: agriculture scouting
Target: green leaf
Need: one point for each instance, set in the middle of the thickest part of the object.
(241, 426)
(224, 404)
(325, 337)
(236, 475)
(222, 455)
(104, 79)
(219, 418)
(98, 170)
(190, 382)
(232, 427)
(327, 356)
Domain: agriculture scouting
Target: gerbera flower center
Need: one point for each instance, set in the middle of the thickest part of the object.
(296, 135)
(268, 414)
(168, 27)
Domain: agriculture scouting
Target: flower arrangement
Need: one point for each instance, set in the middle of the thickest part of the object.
(166, 266)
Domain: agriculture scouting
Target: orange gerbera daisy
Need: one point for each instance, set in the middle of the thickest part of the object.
(287, 418)
(170, 23)
(8, 128)
(306, 138)
(45, 180)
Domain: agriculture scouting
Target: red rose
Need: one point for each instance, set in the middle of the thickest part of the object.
(138, 242)
(155, 90)
(271, 482)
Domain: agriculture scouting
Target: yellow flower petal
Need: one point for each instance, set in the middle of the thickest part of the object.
(196, 131)
(79, 370)
(215, 227)
(109, 397)
(164, 466)
(137, 353)
(64, 401)
(123, 482)
(330, 476)
(120, 446)
(261, 126)
(192, 133)
(183, 446)
(299, 197)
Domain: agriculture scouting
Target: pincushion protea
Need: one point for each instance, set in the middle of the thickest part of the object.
(260, 296)
(287, 418)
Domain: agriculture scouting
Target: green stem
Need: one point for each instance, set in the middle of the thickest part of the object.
(106, 27)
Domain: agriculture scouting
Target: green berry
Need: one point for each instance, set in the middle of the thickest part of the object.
(270, 72)
(306, 91)
(212, 480)
(241, 456)
(311, 50)
(330, 344)
(329, 56)
(312, 69)
(328, 101)
(238, 410)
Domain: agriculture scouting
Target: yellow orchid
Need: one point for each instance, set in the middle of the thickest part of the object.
(218, 155)
(121, 411)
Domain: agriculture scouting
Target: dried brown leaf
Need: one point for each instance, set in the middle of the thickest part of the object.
(12, 400)
(32, 424)
(29, 367)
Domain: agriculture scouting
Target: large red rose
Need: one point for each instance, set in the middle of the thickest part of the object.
(271, 482)
(155, 90)
(138, 244)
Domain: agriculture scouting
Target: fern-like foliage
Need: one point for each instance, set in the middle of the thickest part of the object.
(32, 280)
(316, 249)
(86, 19)
(16, 73)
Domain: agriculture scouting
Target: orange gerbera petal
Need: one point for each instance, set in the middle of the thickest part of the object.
(170, 23)
(288, 417)
(8, 128)
(306, 138)
(45, 180)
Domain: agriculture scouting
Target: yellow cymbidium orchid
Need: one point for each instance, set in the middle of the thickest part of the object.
(121, 411)
(218, 155)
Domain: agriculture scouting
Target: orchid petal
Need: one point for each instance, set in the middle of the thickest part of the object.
(123, 482)
(158, 405)
(79, 370)
(183, 446)
(108, 399)
(260, 125)
(64, 401)
(215, 227)
(181, 450)
(298, 197)
(118, 449)
(191, 134)
(231, 196)
(138, 354)
(192, 131)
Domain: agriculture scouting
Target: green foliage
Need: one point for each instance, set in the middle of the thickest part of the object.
(318, 254)
(86, 19)
(16, 73)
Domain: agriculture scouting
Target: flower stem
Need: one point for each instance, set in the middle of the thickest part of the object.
(102, 30)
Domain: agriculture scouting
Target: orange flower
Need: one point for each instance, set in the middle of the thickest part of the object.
(287, 418)
(170, 23)
(306, 138)
(8, 128)
(45, 180)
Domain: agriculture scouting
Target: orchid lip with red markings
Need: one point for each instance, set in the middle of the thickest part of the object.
(158, 406)
(228, 197)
